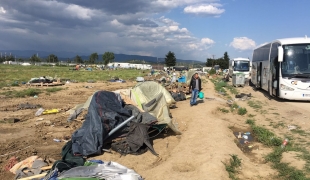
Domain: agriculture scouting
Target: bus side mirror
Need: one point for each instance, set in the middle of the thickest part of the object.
(280, 55)
(232, 63)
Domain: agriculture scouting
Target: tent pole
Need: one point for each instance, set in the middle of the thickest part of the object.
(118, 127)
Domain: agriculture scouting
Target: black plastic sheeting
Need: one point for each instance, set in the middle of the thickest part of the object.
(105, 112)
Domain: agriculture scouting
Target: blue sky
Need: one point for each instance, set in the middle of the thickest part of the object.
(192, 29)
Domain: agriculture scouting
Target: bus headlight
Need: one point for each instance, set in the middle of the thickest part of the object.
(286, 88)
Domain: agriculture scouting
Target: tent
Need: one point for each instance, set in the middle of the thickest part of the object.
(148, 101)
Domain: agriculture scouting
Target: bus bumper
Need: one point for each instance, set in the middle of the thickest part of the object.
(295, 95)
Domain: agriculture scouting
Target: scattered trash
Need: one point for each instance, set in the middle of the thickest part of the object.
(51, 111)
(35, 96)
(11, 162)
(91, 81)
(25, 163)
(140, 79)
(39, 112)
(40, 119)
(221, 93)
(57, 140)
(247, 133)
(230, 102)
(291, 127)
(89, 87)
(243, 96)
(245, 137)
(239, 135)
(284, 143)
(27, 106)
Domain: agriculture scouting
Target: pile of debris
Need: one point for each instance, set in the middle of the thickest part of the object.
(44, 81)
(122, 120)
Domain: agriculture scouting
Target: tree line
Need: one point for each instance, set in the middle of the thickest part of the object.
(223, 62)
(107, 58)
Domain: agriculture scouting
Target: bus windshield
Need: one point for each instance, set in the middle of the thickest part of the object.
(241, 65)
(296, 61)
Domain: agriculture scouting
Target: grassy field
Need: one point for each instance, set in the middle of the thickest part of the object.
(15, 74)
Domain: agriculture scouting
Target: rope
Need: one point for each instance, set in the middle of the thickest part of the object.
(14, 152)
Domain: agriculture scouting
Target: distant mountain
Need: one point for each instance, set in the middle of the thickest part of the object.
(64, 56)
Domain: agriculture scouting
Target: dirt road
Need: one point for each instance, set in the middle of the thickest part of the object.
(199, 153)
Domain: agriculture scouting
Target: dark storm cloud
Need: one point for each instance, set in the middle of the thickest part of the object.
(114, 7)
(89, 25)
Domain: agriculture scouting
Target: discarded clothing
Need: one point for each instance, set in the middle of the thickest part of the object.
(11, 162)
(107, 170)
(243, 95)
(34, 170)
(178, 96)
(25, 163)
(68, 160)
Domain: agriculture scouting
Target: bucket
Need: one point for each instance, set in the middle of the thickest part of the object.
(201, 95)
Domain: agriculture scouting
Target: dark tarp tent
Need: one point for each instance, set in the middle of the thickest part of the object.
(105, 112)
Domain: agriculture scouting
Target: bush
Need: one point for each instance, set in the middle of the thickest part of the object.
(212, 71)
(54, 89)
(242, 111)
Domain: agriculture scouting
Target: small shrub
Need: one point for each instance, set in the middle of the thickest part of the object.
(265, 136)
(15, 83)
(22, 93)
(251, 115)
(242, 111)
(223, 110)
(231, 168)
(255, 104)
(54, 89)
(233, 107)
(212, 71)
(250, 122)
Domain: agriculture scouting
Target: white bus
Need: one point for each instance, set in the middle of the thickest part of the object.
(240, 65)
(282, 68)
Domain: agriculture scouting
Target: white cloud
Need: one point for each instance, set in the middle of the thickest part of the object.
(79, 12)
(173, 28)
(207, 41)
(243, 43)
(205, 9)
(2, 10)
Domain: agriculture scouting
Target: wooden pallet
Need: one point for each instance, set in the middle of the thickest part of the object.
(45, 84)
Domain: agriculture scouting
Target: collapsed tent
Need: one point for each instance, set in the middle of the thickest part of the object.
(105, 112)
(148, 102)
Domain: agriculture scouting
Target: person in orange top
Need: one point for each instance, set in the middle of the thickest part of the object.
(77, 67)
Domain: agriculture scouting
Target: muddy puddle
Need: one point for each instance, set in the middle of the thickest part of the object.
(245, 140)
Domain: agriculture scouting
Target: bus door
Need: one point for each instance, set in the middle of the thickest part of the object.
(259, 74)
(275, 77)
(274, 70)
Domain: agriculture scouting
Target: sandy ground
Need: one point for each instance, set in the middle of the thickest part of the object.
(207, 140)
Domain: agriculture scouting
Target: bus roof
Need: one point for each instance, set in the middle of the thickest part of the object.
(293, 40)
(240, 58)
